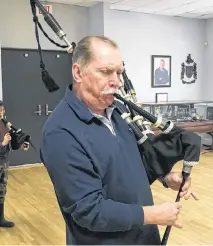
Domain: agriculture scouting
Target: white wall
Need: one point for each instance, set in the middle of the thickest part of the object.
(208, 82)
(96, 20)
(138, 35)
(141, 36)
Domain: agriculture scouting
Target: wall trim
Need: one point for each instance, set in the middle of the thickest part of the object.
(32, 49)
(26, 166)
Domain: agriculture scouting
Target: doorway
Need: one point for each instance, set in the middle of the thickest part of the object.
(27, 101)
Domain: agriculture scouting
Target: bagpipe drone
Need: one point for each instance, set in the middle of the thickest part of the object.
(159, 152)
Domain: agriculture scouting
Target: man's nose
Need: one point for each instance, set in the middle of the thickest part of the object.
(115, 80)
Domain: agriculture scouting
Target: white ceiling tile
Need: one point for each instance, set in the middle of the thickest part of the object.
(201, 9)
(137, 3)
(121, 7)
(208, 10)
(159, 6)
(190, 7)
(111, 1)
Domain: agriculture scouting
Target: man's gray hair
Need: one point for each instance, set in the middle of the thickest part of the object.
(83, 52)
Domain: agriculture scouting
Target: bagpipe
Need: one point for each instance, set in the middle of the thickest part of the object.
(159, 152)
(18, 137)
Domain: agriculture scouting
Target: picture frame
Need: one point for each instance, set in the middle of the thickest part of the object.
(161, 71)
(161, 97)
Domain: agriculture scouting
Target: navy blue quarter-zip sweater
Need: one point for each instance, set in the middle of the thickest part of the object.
(99, 178)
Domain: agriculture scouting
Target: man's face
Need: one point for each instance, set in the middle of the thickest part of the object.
(2, 111)
(99, 80)
(162, 64)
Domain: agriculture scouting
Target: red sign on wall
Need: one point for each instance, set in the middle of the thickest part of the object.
(48, 7)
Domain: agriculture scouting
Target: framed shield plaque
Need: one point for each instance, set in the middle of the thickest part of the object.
(188, 71)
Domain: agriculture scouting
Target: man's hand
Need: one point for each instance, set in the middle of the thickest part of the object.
(163, 214)
(25, 146)
(174, 179)
(7, 139)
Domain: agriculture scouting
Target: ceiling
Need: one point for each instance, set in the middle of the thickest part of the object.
(201, 9)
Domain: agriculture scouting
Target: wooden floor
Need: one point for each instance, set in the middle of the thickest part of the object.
(32, 205)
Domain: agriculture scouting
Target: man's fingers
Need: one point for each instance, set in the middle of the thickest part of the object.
(178, 179)
(178, 224)
(187, 184)
(186, 197)
(194, 195)
(191, 193)
(182, 194)
(179, 205)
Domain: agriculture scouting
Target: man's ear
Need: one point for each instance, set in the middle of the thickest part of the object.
(76, 73)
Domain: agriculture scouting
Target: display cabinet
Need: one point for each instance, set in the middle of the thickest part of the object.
(183, 111)
(195, 116)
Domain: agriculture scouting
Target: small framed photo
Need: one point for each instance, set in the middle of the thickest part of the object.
(160, 71)
(161, 97)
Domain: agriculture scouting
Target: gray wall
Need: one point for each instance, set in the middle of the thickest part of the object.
(208, 81)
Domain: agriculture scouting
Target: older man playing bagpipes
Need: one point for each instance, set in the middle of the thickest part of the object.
(96, 169)
(10, 139)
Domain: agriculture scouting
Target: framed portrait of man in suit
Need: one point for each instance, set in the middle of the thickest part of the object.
(160, 71)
